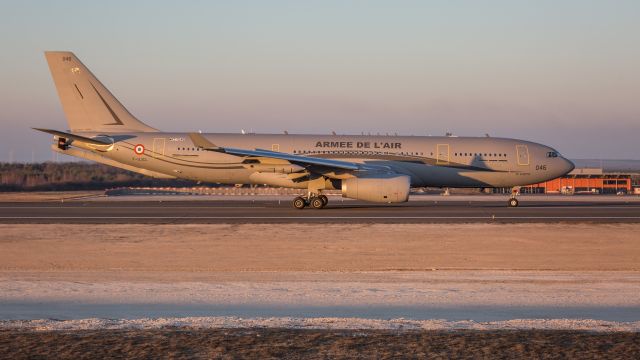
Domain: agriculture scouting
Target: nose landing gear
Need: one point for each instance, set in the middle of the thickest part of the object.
(513, 202)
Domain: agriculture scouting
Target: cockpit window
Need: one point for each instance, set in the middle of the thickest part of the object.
(552, 154)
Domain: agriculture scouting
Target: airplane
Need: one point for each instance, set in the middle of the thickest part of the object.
(377, 168)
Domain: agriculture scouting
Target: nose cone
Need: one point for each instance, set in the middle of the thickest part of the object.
(568, 166)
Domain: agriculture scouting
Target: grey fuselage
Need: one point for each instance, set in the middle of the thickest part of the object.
(428, 161)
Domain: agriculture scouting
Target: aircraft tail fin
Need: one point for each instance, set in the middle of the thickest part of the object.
(88, 105)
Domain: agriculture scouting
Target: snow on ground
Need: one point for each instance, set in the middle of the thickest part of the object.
(449, 288)
(452, 295)
(318, 323)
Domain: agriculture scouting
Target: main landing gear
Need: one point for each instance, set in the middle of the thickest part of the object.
(314, 201)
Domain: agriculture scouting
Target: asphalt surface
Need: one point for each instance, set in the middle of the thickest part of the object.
(280, 211)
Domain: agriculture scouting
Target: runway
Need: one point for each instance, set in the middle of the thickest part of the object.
(148, 210)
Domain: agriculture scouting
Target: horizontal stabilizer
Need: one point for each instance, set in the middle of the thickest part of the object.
(74, 137)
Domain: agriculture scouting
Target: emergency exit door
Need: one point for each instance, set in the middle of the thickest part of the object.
(523, 154)
(158, 146)
(442, 154)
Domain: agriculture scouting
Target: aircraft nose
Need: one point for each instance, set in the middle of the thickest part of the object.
(568, 166)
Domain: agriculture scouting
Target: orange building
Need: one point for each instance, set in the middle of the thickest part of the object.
(584, 180)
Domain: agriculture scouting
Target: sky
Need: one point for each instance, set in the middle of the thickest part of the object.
(562, 73)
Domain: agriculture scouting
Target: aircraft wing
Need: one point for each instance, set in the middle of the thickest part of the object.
(201, 142)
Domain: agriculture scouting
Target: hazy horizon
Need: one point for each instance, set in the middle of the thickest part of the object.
(564, 74)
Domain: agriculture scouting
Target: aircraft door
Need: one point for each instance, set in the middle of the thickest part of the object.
(442, 154)
(522, 152)
(158, 146)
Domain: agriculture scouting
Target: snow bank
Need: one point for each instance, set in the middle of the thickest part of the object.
(317, 323)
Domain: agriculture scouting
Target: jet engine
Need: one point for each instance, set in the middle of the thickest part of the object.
(387, 188)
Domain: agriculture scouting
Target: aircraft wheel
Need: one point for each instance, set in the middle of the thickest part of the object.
(299, 203)
(325, 200)
(316, 202)
(513, 202)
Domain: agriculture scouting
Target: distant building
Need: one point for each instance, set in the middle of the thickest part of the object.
(592, 176)
(583, 180)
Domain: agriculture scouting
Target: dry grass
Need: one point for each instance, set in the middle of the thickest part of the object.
(316, 344)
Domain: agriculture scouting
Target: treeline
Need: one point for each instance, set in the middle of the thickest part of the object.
(50, 176)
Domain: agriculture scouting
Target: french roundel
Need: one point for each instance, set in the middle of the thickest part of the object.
(139, 149)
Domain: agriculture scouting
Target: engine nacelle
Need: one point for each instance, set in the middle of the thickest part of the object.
(379, 188)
